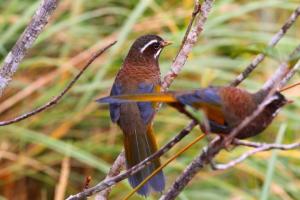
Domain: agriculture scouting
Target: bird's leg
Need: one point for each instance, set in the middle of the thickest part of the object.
(181, 108)
(228, 146)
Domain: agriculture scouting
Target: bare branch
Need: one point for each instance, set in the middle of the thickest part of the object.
(112, 181)
(26, 40)
(56, 99)
(114, 171)
(293, 70)
(189, 41)
(259, 147)
(192, 169)
(217, 145)
(260, 57)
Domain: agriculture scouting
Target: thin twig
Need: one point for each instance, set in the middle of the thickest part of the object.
(216, 146)
(114, 171)
(296, 67)
(26, 40)
(259, 147)
(192, 169)
(112, 181)
(260, 57)
(189, 41)
(195, 12)
(56, 99)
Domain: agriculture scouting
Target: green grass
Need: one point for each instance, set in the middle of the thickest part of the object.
(235, 32)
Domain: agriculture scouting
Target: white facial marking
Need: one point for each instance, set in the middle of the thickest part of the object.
(157, 53)
(275, 113)
(147, 45)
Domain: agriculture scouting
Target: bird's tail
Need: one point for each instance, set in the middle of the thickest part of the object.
(167, 97)
(138, 147)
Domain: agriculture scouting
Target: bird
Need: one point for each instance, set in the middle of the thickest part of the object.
(225, 107)
(140, 73)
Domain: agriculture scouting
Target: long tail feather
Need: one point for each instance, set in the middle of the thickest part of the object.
(158, 170)
(146, 97)
(137, 148)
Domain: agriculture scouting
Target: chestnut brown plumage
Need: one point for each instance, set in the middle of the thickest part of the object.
(225, 107)
(140, 73)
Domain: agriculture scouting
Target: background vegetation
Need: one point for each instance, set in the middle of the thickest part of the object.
(32, 151)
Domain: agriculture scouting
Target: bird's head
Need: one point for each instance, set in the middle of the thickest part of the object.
(147, 47)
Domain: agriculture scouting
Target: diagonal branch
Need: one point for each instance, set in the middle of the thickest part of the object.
(275, 39)
(259, 147)
(217, 145)
(192, 169)
(56, 99)
(112, 181)
(114, 171)
(189, 40)
(26, 40)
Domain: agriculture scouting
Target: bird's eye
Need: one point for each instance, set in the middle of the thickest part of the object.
(156, 46)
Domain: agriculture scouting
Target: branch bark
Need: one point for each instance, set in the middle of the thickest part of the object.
(217, 145)
(107, 183)
(189, 40)
(26, 40)
(57, 98)
(259, 147)
(114, 171)
(275, 39)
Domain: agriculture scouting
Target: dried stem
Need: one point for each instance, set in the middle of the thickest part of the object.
(26, 40)
(217, 145)
(56, 99)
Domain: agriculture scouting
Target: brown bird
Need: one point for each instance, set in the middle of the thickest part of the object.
(140, 73)
(225, 107)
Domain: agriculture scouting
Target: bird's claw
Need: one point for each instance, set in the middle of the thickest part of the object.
(213, 165)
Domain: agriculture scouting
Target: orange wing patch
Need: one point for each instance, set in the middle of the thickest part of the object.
(213, 112)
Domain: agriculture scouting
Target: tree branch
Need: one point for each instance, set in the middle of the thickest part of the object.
(192, 169)
(26, 40)
(56, 99)
(259, 147)
(189, 40)
(260, 57)
(114, 180)
(217, 145)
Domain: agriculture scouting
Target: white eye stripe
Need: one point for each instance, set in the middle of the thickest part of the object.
(147, 45)
(157, 53)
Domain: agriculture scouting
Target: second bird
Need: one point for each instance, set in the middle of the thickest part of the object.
(140, 73)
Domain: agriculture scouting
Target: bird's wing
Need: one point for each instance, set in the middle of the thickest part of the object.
(207, 99)
(114, 108)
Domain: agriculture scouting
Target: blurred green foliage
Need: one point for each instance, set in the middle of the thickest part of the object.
(31, 152)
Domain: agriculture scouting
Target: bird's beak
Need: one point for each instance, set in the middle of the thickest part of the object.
(166, 43)
(289, 102)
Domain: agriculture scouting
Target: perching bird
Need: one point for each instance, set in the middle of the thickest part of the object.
(225, 107)
(140, 73)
